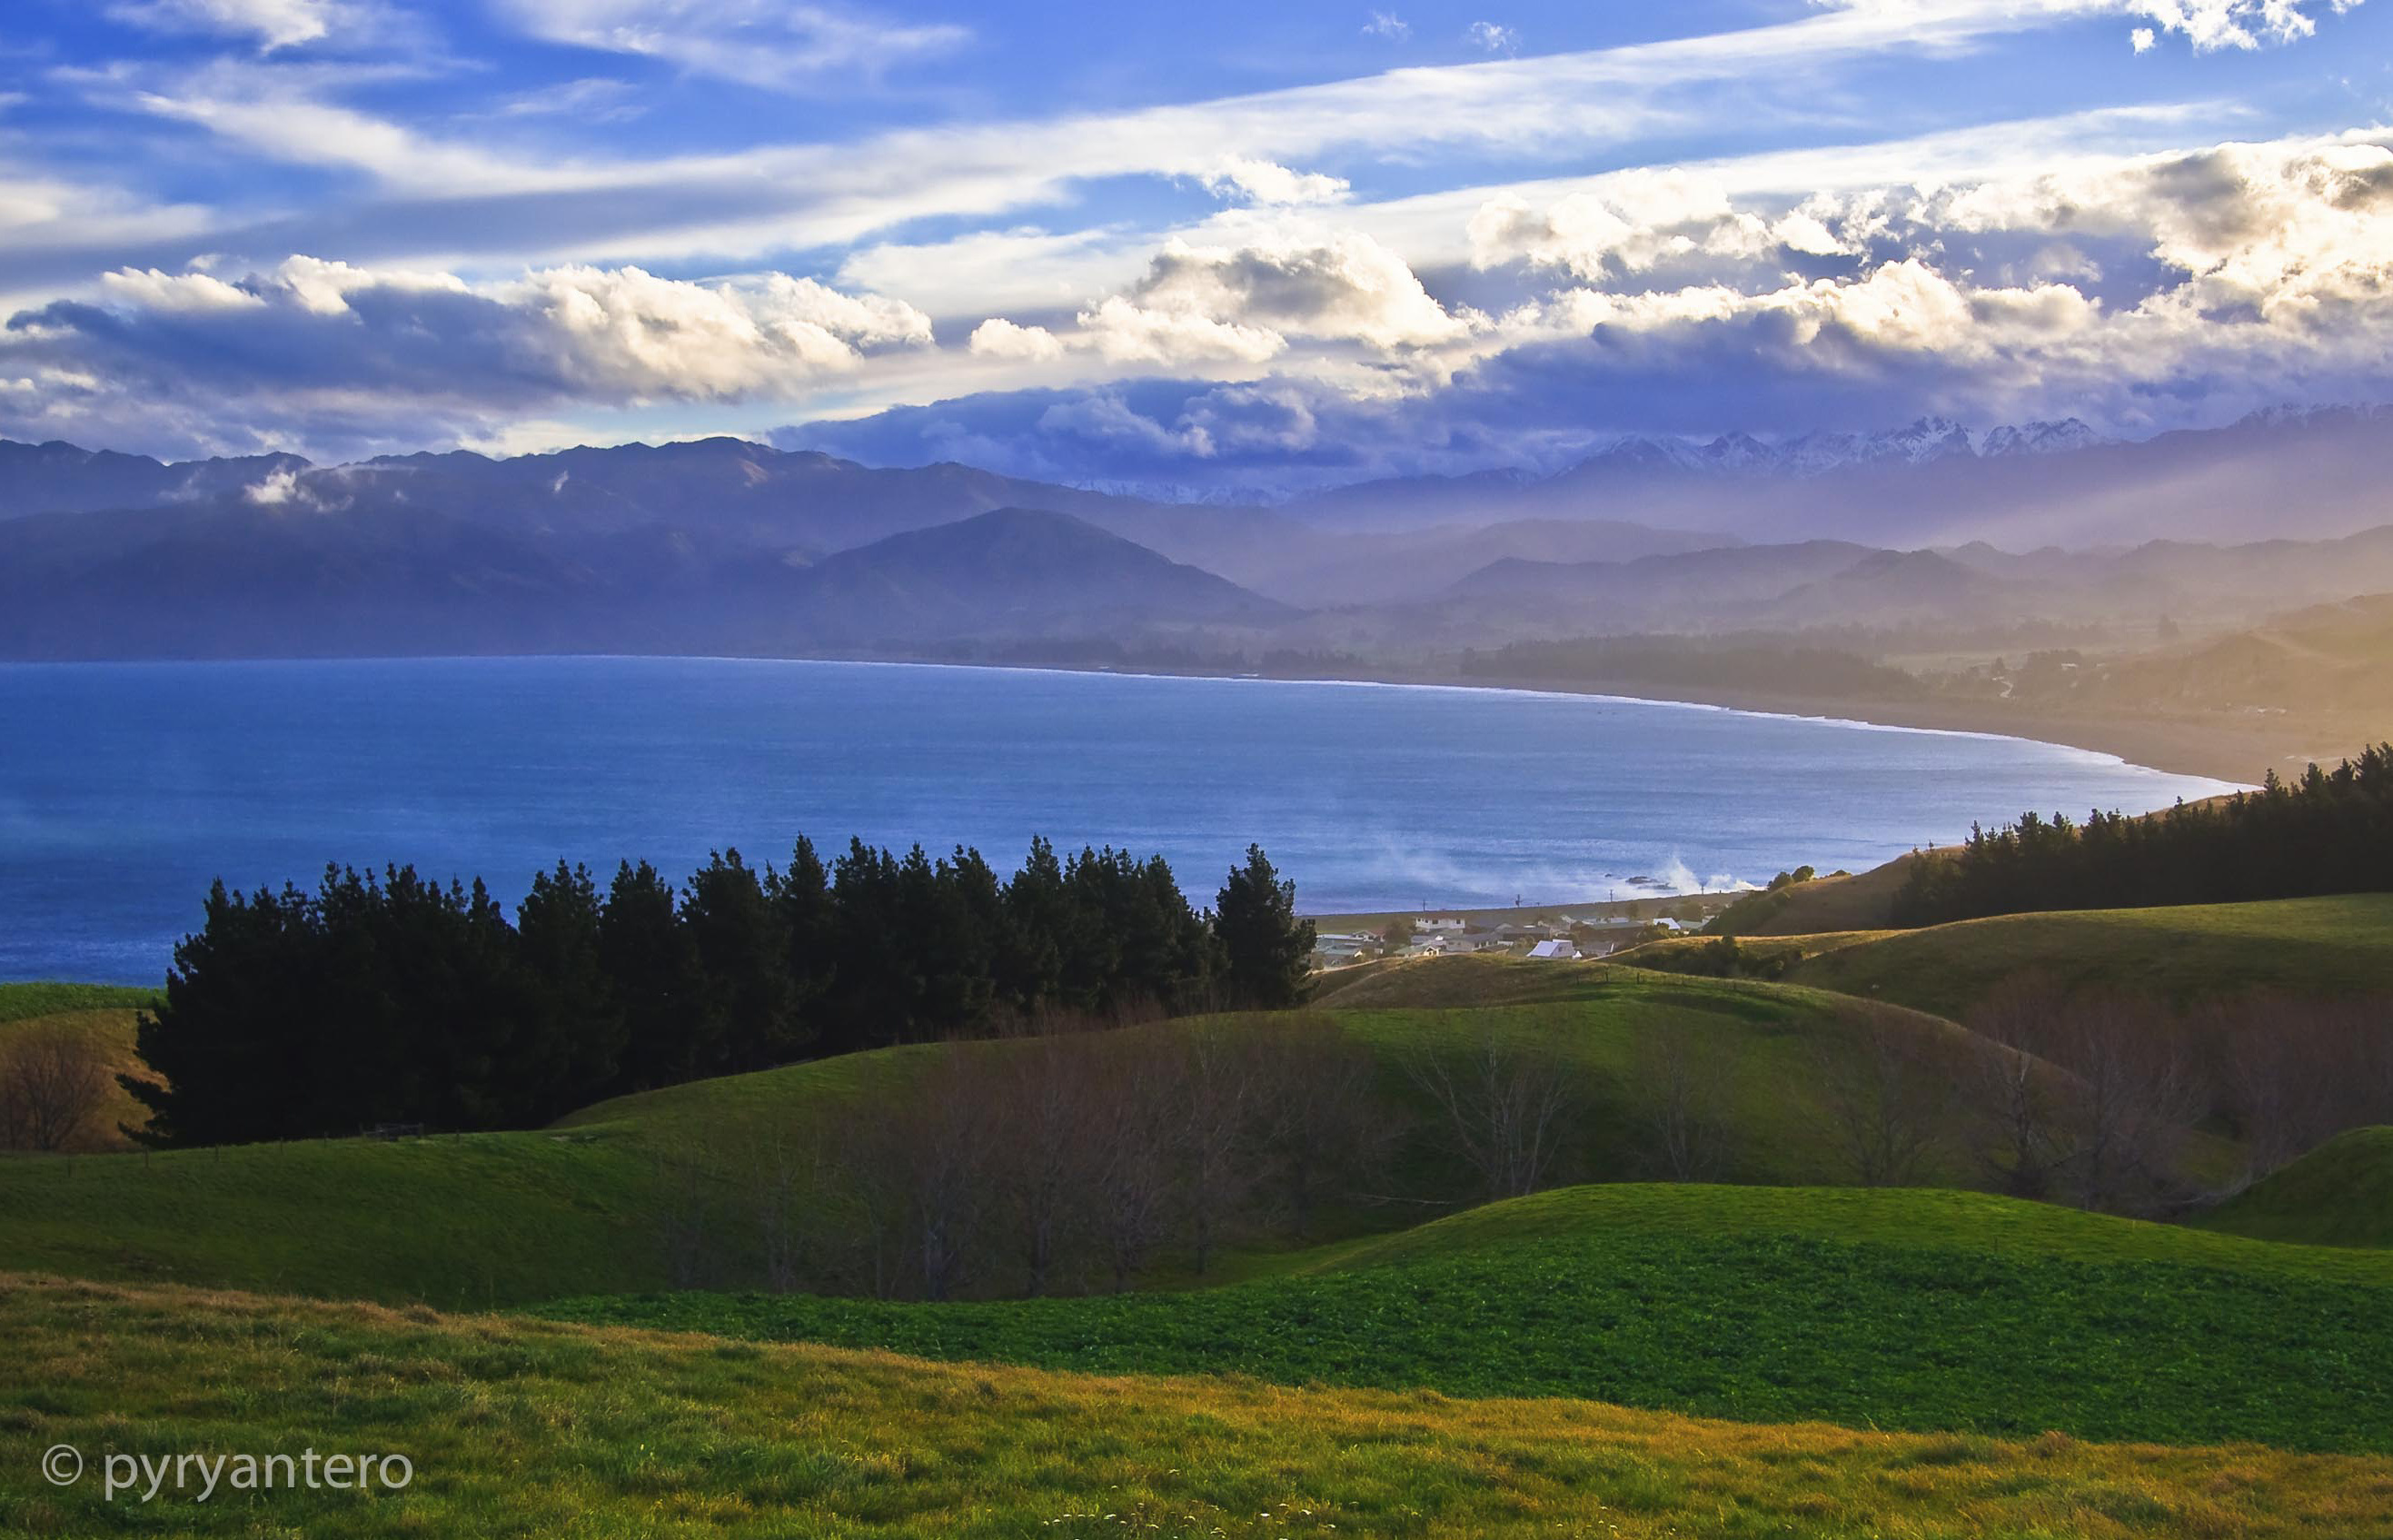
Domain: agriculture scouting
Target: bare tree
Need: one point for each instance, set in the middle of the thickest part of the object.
(2139, 1095)
(1042, 1165)
(1507, 1105)
(1130, 1194)
(941, 1141)
(1882, 1093)
(1214, 1129)
(2293, 1073)
(1682, 1079)
(791, 1172)
(1325, 1120)
(2023, 1133)
(686, 1217)
(53, 1079)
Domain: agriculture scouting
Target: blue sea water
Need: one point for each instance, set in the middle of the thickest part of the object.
(124, 789)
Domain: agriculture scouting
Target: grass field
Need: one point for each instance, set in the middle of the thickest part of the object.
(1732, 1322)
(522, 1429)
(2318, 946)
(2338, 1194)
(18, 1001)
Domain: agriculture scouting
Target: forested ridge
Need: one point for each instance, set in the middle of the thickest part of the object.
(2329, 831)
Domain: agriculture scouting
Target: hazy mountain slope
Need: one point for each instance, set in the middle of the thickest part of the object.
(1010, 572)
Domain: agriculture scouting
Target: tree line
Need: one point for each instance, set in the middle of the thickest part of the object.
(390, 998)
(2329, 831)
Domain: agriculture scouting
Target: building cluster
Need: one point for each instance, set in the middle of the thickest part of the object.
(1556, 938)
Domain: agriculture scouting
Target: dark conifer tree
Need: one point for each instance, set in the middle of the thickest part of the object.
(1266, 950)
(654, 970)
(747, 1008)
(572, 1051)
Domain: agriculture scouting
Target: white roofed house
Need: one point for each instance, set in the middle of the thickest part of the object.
(1557, 950)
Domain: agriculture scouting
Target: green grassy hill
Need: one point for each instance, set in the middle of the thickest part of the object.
(2318, 947)
(1858, 901)
(506, 1218)
(1917, 1310)
(524, 1428)
(2340, 1194)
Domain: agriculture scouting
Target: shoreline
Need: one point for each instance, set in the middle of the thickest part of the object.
(2236, 751)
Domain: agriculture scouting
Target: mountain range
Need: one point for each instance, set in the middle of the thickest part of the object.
(728, 545)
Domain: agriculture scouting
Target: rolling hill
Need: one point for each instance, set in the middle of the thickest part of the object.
(587, 1206)
(2318, 946)
(2340, 1194)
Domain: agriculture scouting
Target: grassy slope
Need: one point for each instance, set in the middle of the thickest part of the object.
(529, 1428)
(2340, 945)
(1863, 901)
(1978, 1223)
(1925, 1312)
(2338, 1194)
(114, 1027)
(503, 1218)
(18, 1001)
(482, 1220)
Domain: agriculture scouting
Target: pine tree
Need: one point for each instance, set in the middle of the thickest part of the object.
(1266, 950)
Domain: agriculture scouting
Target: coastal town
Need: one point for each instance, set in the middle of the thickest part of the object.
(1555, 936)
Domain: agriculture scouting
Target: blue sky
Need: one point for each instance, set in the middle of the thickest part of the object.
(1246, 246)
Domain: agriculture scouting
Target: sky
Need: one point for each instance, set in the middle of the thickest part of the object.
(1238, 248)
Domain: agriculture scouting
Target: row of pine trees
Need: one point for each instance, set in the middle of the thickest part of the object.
(2329, 831)
(391, 999)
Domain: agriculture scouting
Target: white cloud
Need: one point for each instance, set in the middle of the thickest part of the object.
(1128, 333)
(274, 23)
(1000, 338)
(771, 43)
(312, 337)
(2211, 24)
(151, 290)
(1335, 285)
(1492, 38)
(1389, 25)
(1266, 182)
(2141, 40)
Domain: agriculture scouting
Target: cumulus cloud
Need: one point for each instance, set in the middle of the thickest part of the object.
(1339, 286)
(763, 43)
(1000, 338)
(310, 337)
(1492, 37)
(2211, 24)
(1389, 25)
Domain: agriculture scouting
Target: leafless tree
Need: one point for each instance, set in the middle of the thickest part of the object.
(790, 1173)
(1042, 1165)
(2023, 1131)
(1129, 1196)
(1214, 1127)
(687, 1217)
(1507, 1104)
(941, 1141)
(1883, 1092)
(53, 1079)
(1681, 1081)
(2139, 1095)
(2294, 1073)
(1324, 1119)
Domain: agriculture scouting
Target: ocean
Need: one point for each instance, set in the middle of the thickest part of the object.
(125, 789)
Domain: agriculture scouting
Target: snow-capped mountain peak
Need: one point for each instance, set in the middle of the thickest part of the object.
(2041, 438)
